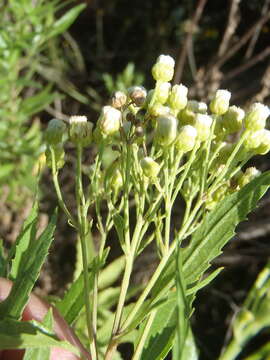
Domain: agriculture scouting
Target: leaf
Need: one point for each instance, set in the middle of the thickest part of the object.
(66, 20)
(41, 353)
(2, 260)
(23, 241)
(219, 227)
(37, 102)
(29, 334)
(33, 259)
(204, 282)
(119, 226)
(161, 334)
(111, 273)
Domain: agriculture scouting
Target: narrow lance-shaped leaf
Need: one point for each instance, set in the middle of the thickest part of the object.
(33, 260)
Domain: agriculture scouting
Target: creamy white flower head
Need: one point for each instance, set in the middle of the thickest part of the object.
(76, 119)
(202, 107)
(110, 120)
(256, 116)
(180, 90)
(166, 60)
(178, 97)
(224, 94)
(186, 138)
(203, 124)
(162, 92)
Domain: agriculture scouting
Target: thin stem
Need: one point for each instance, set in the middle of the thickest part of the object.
(139, 348)
(58, 190)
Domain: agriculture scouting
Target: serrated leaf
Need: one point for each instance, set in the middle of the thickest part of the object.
(219, 227)
(66, 20)
(161, 334)
(33, 259)
(27, 334)
(23, 241)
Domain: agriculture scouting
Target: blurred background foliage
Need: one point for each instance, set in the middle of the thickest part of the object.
(59, 58)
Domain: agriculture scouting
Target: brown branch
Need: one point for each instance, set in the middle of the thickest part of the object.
(238, 70)
(255, 37)
(230, 28)
(188, 39)
(243, 40)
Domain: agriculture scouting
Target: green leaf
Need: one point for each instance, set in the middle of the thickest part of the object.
(161, 334)
(66, 20)
(111, 273)
(23, 242)
(219, 227)
(41, 353)
(73, 301)
(29, 334)
(33, 259)
(37, 102)
(119, 226)
(2, 260)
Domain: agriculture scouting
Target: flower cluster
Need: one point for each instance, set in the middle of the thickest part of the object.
(162, 121)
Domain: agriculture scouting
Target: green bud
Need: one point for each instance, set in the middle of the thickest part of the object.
(186, 138)
(159, 110)
(80, 130)
(258, 141)
(220, 103)
(186, 117)
(250, 174)
(162, 92)
(218, 195)
(203, 124)
(109, 121)
(178, 97)
(137, 95)
(118, 99)
(163, 69)
(166, 130)
(233, 119)
(149, 167)
(264, 146)
(55, 131)
(59, 154)
(256, 117)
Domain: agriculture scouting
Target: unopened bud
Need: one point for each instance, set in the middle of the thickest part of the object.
(264, 146)
(55, 131)
(250, 174)
(233, 119)
(163, 69)
(258, 141)
(166, 130)
(186, 138)
(162, 92)
(80, 131)
(178, 97)
(116, 180)
(203, 126)
(256, 117)
(220, 103)
(186, 117)
(149, 167)
(119, 99)
(139, 131)
(137, 95)
(109, 121)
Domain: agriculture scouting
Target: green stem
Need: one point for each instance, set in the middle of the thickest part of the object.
(232, 351)
(140, 346)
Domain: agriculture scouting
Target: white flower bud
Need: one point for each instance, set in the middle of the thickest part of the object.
(256, 117)
(109, 121)
(163, 69)
(202, 107)
(178, 97)
(119, 99)
(220, 103)
(203, 126)
(186, 138)
(149, 167)
(55, 131)
(166, 130)
(264, 146)
(137, 94)
(186, 117)
(162, 92)
(80, 131)
(233, 119)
